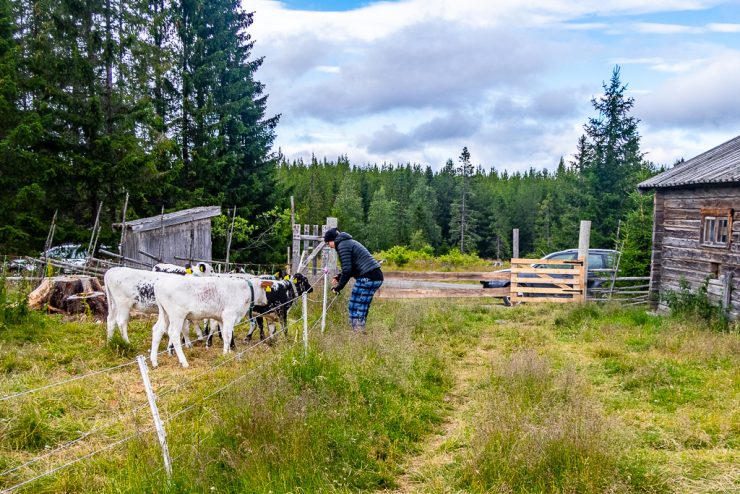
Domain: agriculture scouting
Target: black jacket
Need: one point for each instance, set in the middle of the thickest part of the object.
(355, 258)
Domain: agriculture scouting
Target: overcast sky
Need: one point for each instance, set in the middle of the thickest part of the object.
(416, 80)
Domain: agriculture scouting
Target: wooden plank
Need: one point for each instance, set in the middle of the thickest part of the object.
(524, 282)
(442, 275)
(574, 262)
(396, 293)
(414, 284)
(565, 290)
(515, 270)
(556, 300)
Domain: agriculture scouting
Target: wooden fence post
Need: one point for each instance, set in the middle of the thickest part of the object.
(515, 244)
(331, 261)
(584, 237)
(296, 258)
(158, 425)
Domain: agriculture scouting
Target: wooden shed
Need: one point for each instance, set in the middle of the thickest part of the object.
(696, 228)
(171, 237)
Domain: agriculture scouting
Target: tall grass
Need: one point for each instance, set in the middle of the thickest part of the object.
(543, 432)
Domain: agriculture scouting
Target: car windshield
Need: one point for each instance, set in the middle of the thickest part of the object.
(67, 251)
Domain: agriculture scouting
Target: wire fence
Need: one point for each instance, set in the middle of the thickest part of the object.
(26, 472)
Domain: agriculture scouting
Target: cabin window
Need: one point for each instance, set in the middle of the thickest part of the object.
(716, 227)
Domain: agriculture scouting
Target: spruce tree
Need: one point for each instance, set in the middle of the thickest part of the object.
(382, 222)
(613, 160)
(348, 208)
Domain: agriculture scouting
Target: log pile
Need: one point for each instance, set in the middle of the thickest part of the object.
(70, 295)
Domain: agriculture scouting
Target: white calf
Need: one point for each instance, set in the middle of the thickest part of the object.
(226, 300)
(197, 269)
(128, 288)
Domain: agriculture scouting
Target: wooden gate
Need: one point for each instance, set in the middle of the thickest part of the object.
(309, 249)
(548, 280)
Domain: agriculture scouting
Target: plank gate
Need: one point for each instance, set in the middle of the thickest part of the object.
(560, 281)
(309, 254)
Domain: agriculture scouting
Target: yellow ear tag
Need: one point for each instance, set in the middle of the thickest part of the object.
(286, 277)
(188, 271)
(268, 289)
(277, 275)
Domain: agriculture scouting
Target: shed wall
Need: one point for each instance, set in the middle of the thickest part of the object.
(190, 240)
(677, 250)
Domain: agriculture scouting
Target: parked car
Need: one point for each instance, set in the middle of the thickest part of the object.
(73, 255)
(598, 259)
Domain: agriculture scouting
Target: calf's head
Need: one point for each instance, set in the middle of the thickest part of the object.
(301, 283)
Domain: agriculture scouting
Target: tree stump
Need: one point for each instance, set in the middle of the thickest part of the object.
(70, 294)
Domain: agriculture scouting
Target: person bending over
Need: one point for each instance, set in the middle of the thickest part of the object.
(358, 263)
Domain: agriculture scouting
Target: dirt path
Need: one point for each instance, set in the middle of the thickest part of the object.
(425, 472)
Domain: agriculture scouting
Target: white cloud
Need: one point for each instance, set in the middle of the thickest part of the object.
(724, 28)
(657, 28)
(705, 97)
(415, 80)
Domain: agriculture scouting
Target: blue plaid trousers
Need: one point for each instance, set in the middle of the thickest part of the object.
(359, 300)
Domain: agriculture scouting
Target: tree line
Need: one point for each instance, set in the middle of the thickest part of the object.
(156, 98)
(475, 208)
(159, 99)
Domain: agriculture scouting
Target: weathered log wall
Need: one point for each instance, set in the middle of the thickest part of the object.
(677, 249)
(190, 240)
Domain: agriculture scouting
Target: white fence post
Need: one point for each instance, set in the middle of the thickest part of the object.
(155, 414)
(305, 324)
(323, 307)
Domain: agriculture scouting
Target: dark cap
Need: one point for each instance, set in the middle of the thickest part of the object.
(330, 234)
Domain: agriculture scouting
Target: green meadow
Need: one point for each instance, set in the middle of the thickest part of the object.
(439, 396)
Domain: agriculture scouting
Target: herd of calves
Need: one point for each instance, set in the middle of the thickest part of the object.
(195, 293)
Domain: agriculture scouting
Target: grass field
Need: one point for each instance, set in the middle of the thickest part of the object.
(440, 396)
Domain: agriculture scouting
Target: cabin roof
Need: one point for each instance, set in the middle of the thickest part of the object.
(170, 219)
(718, 166)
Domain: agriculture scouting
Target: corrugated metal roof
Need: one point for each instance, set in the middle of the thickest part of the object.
(719, 165)
(169, 219)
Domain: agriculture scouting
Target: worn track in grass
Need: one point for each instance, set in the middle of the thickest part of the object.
(425, 471)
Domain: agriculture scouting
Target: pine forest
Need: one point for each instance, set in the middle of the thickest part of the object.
(162, 101)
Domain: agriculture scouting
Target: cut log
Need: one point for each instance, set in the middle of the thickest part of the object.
(71, 294)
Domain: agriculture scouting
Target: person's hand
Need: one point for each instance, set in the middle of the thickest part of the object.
(334, 281)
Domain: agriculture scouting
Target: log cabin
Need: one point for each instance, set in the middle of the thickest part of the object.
(696, 226)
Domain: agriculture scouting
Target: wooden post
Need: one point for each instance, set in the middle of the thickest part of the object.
(93, 241)
(123, 224)
(296, 256)
(314, 244)
(584, 237)
(161, 236)
(515, 244)
(727, 291)
(155, 415)
(331, 257)
(306, 245)
(228, 240)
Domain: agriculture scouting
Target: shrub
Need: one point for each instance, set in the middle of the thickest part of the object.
(688, 304)
(13, 305)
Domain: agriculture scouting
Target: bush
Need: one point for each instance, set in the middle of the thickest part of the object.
(13, 305)
(400, 255)
(685, 303)
(454, 258)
